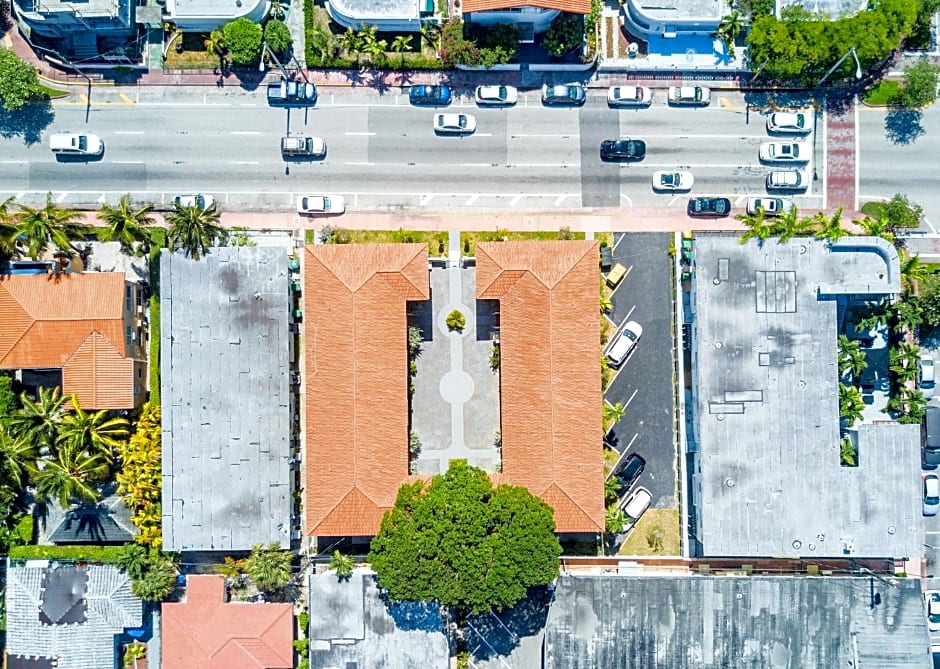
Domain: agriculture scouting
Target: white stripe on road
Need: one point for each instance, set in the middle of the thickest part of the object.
(246, 132)
(243, 162)
(128, 162)
(128, 132)
(360, 134)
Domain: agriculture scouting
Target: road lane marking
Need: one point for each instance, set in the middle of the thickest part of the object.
(360, 134)
(126, 99)
(426, 199)
(631, 398)
(627, 198)
(515, 200)
(542, 136)
(13, 162)
(243, 162)
(128, 132)
(471, 200)
(128, 162)
(359, 164)
(477, 165)
(560, 199)
(246, 132)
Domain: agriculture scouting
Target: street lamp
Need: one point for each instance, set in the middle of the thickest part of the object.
(858, 66)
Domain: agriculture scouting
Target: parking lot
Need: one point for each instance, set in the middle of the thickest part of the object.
(644, 383)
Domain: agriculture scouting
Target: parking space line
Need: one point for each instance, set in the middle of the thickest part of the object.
(611, 320)
(622, 281)
(635, 391)
(623, 235)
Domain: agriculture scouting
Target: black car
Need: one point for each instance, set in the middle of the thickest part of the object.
(424, 94)
(931, 437)
(623, 149)
(709, 206)
(630, 471)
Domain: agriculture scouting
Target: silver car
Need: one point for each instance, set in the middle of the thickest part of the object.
(787, 180)
(793, 123)
(454, 124)
(785, 152)
(629, 96)
(495, 96)
(772, 206)
(689, 95)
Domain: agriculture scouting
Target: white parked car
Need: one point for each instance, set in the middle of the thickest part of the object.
(689, 95)
(197, 200)
(785, 152)
(672, 180)
(634, 506)
(931, 494)
(932, 609)
(321, 204)
(454, 124)
(926, 380)
(787, 180)
(623, 343)
(495, 96)
(772, 206)
(794, 123)
(629, 96)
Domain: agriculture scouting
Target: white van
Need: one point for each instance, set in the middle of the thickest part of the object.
(74, 144)
(623, 342)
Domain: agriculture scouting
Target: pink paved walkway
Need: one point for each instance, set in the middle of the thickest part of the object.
(841, 159)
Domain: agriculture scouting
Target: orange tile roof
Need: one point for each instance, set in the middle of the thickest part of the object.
(73, 322)
(570, 6)
(206, 632)
(550, 379)
(356, 349)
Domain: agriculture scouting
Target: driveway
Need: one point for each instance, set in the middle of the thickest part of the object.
(644, 383)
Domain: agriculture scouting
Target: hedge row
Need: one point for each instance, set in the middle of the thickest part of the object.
(107, 554)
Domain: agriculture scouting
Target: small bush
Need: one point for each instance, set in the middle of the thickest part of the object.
(565, 34)
(277, 35)
(8, 399)
(243, 41)
(494, 358)
(456, 321)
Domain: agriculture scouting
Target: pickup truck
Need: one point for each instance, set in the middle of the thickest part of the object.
(303, 147)
(287, 92)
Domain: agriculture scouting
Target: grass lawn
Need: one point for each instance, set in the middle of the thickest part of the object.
(53, 92)
(666, 521)
(872, 208)
(468, 240)
(883, 93)
(193, 56)
(610, 459)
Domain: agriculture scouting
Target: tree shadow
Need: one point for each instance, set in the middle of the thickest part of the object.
(413, 616)
(500, 633)
(27, 122)
(903, 126)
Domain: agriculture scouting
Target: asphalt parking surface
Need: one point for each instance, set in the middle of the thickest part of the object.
(644, 383)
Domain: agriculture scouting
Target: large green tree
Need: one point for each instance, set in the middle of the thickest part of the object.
(194, 230)
(92, 432)
(38, 420)
(919, 88)
(243, 41)
(19, 82)
(464, 543)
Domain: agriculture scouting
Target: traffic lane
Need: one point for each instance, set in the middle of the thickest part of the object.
(897, 154)
(644, 384)
(600, 180)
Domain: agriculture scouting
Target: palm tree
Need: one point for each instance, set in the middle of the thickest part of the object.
(872, 316)
(38, 228)
(847, 452)
(613, 413)
(132, 560)
(914, 406)
(851, 404)
(69, 476)
(904, 360)
(215, 46)
(7, 228)
(728, 30)
(830, 227)
(878, 227)
(368, 34)
(269, 568)
(38, 420)
(19, 458)
(851, 357)
(157, 580)
(352, 43)
(320, 42)
(376, 51)
(612, 486)
(194, 230)
(92, 433)
(127, 225)
(907, 316)
(913, 271)
(614, 520)
(758, 227)
(605, 304)
(400, 45)
(342, 564)
(789, 225)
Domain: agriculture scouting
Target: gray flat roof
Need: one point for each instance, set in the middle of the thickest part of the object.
(826, 9)
(224, 363)
(666, 622)
(351, 625)
(768, 481)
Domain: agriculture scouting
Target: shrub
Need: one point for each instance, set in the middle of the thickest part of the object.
(8, 400)
(455, 49)
(141, 476)
(277, 35)
(243, 40)
(565, 34)
(494, 357)
(919, 87)
(456, 321)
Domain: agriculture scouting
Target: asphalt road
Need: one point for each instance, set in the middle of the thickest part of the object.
(384, 154)
(644, 383)
(898, 154)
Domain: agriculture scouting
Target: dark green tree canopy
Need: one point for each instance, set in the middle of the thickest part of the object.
(243, 41)
(464, 543)
(277, 35)
(19, 81)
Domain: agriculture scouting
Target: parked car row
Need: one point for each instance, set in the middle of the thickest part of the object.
(633, 502)
(570, 95)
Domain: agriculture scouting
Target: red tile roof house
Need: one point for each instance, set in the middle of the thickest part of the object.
(85, 326)
(532, 16)
(206, 632)
(357, 377)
